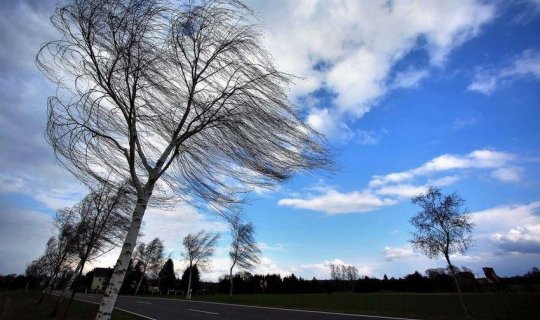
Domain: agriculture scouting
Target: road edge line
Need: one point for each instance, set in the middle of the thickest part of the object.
(283, 309)
(124, 310)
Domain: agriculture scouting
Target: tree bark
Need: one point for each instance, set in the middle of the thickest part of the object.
(49, 287)
(111, 293)
(457, 285)
(188, 294)
(231, 280)
(66, 289)
(140, 281)
(75, 283)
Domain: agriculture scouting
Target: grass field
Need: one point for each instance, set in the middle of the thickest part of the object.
(22, 305)
(425, 306)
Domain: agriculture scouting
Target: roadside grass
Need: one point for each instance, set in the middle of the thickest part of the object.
(22, 305)
(423, 306)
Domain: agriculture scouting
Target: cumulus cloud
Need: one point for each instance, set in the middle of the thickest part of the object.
(390, 189)
(334, 202)
(524, 239)
(321, 270)
(351, 48)
(409, 78)
(510, 228)
(395, 253)
(478, 159)
(486, 81)
(508, 174)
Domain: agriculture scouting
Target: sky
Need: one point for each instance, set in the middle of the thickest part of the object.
(408, 93)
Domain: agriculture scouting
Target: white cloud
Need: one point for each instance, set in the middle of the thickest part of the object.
(401, 190)
(351, 47)
(526, 64)
(524, 239)
(321, 270)
(478, 159)
(511, 228)
(171, 226)
(395, 253)
(367, 137)
(268, 247)
(409, 79)
(390, 189)
(334, 202)
(508, 174)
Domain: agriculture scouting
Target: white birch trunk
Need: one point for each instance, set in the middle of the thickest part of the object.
(458, 287)
(188, 295)
(139, 285)
(140, 281)
(111, 293)
(71, 280)
(231, 280)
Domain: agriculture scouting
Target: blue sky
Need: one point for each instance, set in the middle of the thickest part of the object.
(408, 94)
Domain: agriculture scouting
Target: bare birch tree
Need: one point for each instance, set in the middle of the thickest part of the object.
(198, 248)
(59, 250)
(100, 221)
(443, 227)
(150, 257)
(180, 99)
(245, 252)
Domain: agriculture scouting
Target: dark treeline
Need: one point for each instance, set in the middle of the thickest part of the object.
(433, 280)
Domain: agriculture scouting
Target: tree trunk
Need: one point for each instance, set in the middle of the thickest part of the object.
(188, 294)
(111, 293)
(457, 285)
(74, 284)
(140, 281)
(66, 288)
(49, 287)
(231, 280)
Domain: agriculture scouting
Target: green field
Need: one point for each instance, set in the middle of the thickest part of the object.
(22, 305)
(425, 306)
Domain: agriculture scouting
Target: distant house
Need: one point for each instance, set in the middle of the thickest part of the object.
(101, 279)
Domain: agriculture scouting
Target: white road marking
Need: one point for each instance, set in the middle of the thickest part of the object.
(283, 309)
(201, 311)
(144, 302)
(124, 310)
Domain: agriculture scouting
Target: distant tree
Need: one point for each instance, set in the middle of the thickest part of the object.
(149, 257)
(133, 275)
(100, 224)
(198, 248)
(352, 273)
(166, 276)
(244, 251)
(36, 272)
(59, 251)
(171, 94)
(443, 227)
(191, 279)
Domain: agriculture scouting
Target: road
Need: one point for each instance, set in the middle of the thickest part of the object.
(164, 308)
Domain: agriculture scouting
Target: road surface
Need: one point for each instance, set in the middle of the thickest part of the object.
(165, 308)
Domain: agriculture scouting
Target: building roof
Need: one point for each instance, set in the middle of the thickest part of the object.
(103, 272)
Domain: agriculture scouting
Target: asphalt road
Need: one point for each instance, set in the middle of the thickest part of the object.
(164, 309)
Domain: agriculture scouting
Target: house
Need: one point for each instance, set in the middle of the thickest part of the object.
(101, 279)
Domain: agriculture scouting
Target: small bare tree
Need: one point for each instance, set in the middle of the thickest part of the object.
(181, 99)
(443, 227)
(59, 250)
(150, 257)
(198, 248)
(36, 271)
(100, 223)
(244, 252)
